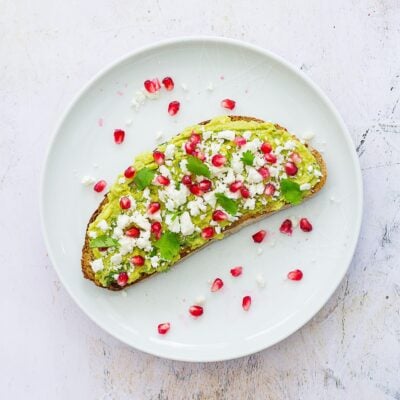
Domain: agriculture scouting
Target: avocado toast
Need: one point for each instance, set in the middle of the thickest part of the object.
(202, 185)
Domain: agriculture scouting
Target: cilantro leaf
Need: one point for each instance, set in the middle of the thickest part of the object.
(103, 241)
(291, 191)
(197, 167)
(168, 245)
(229, 205)
(143, 178)
(248, 157)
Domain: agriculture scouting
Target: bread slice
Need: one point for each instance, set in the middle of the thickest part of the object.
(246, 219)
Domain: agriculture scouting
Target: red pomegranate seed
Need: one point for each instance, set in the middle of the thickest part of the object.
(195, 138)
(295, 157)
(163, 328)
(305, 225)
(187, 180)
(286, 227)
(235, 186)
(264, 172)
(190, 147)
(270, 157)
(122, 279)
(219, 215)
(290, 168)
(137, 261)
(153, 207)
(205, 185)
(269, 189)
(228, 104)
(295, 275)
(152, 86)
(236, 271)
(133, 232)
(173, 107)
(218, 160)
(245, 192)
(266, 148)
(217, 285)
(200, 155)
(240, 141)
(125, 203)
(196, 311)
(207, 232)
(156, 229)
(119, 136)
(168, 83)
(246, 303)
(195, 189)
(163, 180)
(259, 236)
(159, 157)
(99, 186)
(129, 172)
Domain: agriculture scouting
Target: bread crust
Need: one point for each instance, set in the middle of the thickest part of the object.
(236, 226)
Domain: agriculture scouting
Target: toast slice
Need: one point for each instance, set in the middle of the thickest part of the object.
(129, 239)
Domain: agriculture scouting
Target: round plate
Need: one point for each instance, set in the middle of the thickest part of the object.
(264, 86)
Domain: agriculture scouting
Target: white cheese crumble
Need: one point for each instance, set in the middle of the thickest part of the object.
(210, 199)
(121, 180)
(92, 235)
(170, 151)
(253, 176)
(140, 220)
(207, 135)
(116, 259)
(290, 145)
(187, 227)
(307, 136)
(126, 245)
(227, 135)
(154, 261)
(159, 136)
(122, 221)
(210, 87)
(260, 281)
(117, 233)
(249, 204)
(247, 135)
(87, 180)
(182, 166)
(164, 171)
(305, 186)
(102, 224)
(199, 300)
(97, 265)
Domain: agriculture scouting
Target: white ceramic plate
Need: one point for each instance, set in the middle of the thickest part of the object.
(264, 86)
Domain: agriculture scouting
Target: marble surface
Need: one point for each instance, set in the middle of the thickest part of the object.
(49, 349)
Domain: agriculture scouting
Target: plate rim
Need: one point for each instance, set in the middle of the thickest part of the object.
(258, 345)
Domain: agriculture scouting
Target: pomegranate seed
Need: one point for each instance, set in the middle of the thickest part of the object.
(259, 236)
(119, 136)
(205, 185)
(236, 271)
(270, 157)
(235, 186)
(196, 311)
(187, 180)
(246, 303)
(219, 215)
(295, 275)
(125, 203)
(133, 232)
(159, 157)
(129, 172)
(286, 227)
(122, 279)
(163, 328)
(137, 261)
(295, 157)
(217, 285)
(207, 232)
(266, 148)
(102, 249)
(290, 168)
(195, 189)
(153, 207)
(228, 103)
(190, 147)
(269, 189)
(156, 229)
(245, 192)
(218, 160)
(195, 138)
(163, 180)
(305, 225)
(200, 155)
(152, 86)
(264, 172)
(173, 107)
(240, 141)
(168, 83)
(99, 186)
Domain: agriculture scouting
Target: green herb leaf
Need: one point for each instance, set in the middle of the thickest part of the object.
(143, 178)
(103, 241)
(197, 167)
(248, 157)
(229, 205)
(291, 191)
(168, 245)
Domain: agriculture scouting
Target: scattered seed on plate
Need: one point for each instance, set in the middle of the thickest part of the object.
(168, 83)
(295, 275)
(259, 236)
(100, 186)
(246, 303)
(217, 285)
(173, 107)
(236, 271)
(286, 227)
(119, 136)
(196, 310)
(228, 104)
(305, 225)
(163, 328)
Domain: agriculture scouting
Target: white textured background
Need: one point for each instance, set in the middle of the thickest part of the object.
(49, 349)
